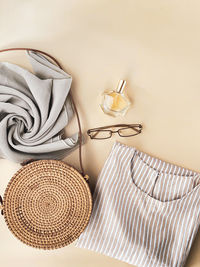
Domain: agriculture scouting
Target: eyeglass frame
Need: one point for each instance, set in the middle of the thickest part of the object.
(117, 131)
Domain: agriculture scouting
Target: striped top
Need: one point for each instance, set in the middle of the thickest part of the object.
(146, 211)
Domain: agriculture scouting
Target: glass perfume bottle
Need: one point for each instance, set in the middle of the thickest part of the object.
(115, 103)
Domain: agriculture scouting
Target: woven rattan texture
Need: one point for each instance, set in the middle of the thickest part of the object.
(47, 204)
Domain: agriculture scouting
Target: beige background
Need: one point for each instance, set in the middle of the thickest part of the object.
(154, 45)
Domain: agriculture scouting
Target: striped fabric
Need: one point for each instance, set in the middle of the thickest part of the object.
(146, 211)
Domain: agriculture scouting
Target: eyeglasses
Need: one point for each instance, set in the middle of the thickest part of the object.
(124, 130)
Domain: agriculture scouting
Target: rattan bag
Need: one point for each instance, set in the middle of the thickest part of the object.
(47, 203)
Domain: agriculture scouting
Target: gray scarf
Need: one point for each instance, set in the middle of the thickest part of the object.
(34, 109)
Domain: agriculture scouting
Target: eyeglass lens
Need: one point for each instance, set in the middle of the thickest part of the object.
(128, 131)
(100, 134)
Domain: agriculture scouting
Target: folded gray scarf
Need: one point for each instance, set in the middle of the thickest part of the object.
(34, 109)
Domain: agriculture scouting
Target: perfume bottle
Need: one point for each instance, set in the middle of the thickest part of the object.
(115, 103)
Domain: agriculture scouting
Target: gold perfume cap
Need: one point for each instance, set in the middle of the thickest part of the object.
(121, 85)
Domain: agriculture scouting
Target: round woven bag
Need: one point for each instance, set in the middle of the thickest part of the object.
(47, 203)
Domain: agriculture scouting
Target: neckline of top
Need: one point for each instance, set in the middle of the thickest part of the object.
(146, 195)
